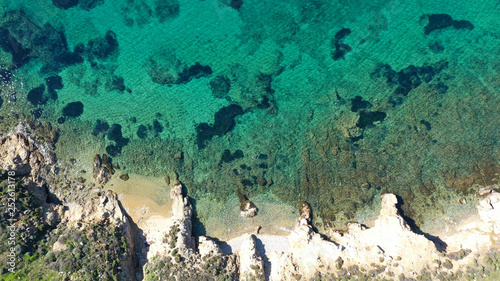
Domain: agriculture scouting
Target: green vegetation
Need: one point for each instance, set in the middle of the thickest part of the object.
(171, 236)
(95, 253)
(213, 268)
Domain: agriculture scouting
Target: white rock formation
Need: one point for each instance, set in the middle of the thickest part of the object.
(251, 265)
(481, 230)
(157, 228)
(389, 240)
(208, 247)
(182, 212)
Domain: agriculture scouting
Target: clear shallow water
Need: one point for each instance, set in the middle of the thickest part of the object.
(325, 102)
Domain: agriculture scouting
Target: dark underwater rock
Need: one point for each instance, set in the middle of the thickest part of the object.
(220, 85)
(11, 45)
(236, 4)
(73, 109)
(65, 4)
(385, 71)
(341, 34)
(223, 123)
(54, 82)
(340, 48)
(436, 47)
(142, 132)
(124, 177)
(440, 87)
(100, 127)
(367, 118)
(115, 134)
(228, 157)
(357, 103)
(195, 71)
(118, 83)
(410, 77)
(426, 124)
(113, 150)
(88, 5)
(157, 127)
(408, 80)
(263, 156)
(37, 113)
(441, 21)
(166, 9)
(102, 48)
(35, 96)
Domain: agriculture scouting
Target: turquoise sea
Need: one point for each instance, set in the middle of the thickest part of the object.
(331, 102)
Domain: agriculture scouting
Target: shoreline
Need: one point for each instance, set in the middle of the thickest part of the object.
(377, 251)
(382, 246)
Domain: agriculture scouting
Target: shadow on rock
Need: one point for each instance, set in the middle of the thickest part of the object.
(440, 244)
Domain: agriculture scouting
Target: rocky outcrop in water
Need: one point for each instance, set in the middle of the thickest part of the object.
(247, 207)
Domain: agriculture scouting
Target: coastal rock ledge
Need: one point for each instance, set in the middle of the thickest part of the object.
(388, 250)
(164, 248)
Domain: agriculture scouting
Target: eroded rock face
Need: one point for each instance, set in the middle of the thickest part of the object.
(479, 234)
(21, 153)
(104, 209)
(172, 251)
(251, 263)
(390, 238)
(182, 212)
(208, 247)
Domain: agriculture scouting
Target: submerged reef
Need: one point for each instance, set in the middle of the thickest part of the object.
(54, 83)
(73, 109)
(115, 134)
(26, 40)
(166, 9)
(86, 5)
(341, 49)
(332, 104)
(80, 233)
(36, 97)
(223, 123)
(441, 21)
(65, 4)
(409, 78)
